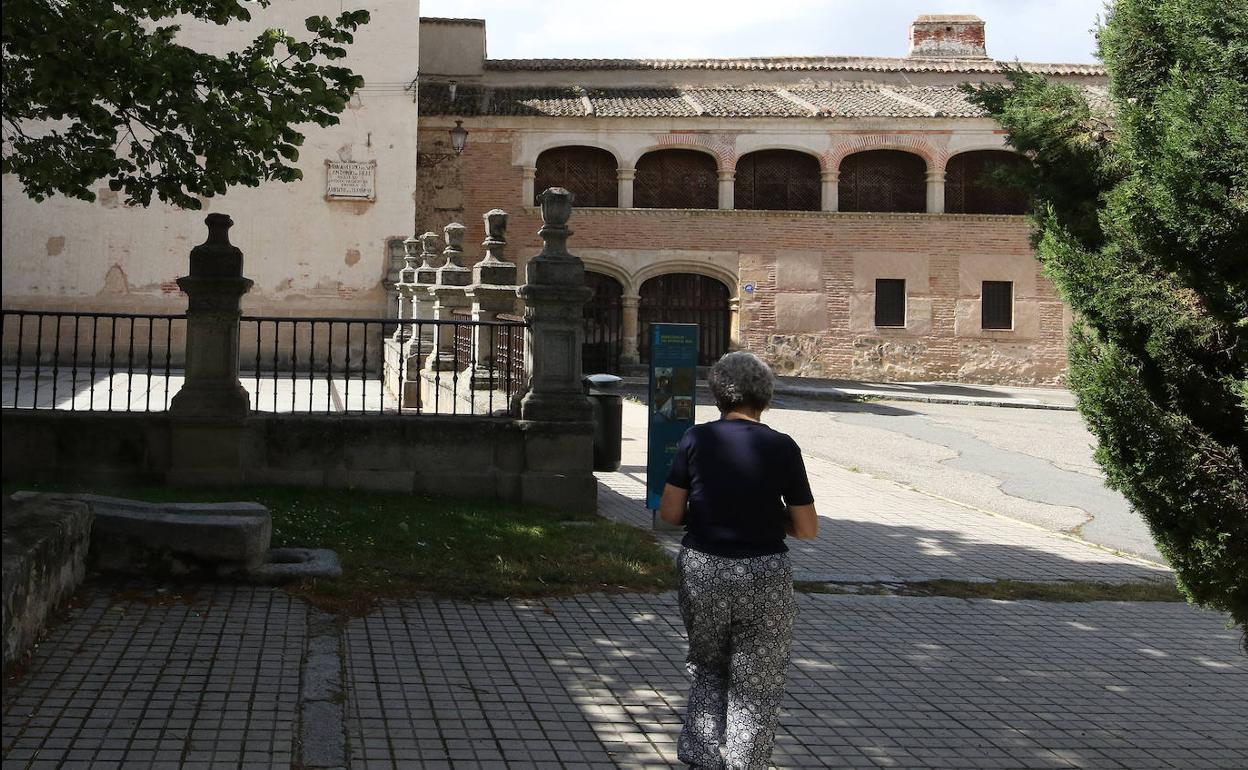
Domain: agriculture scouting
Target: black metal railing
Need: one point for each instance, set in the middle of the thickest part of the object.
(376, 365)
(103, 362)
(135, 362)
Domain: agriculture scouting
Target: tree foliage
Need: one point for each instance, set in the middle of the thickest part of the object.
(102, 90)
(1141, 221)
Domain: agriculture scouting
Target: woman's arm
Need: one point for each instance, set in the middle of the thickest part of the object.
(803, 522)
(672, 504)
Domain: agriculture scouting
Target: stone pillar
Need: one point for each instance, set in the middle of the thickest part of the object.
(727, 183)
(426, 276)
(629, 329)
(492, 291)
(214, 290)
(448, 294)
(554, 294)
(734, 324)
(830, 182)
(526, 187)
(208, 415)
(624, 178)
(405, 286)
(936, 191)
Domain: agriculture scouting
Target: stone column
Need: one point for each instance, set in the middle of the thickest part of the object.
(734, 324)
(554, 294)
(629, 329)
(492, 291)
(624, 178)
(526, 187)
(406, 288)
(727, 183)
(936, 191)
(830, 182)
(423, 300)
(448, 294)
(214, 290)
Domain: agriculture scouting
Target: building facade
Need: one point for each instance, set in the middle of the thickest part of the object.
(321, 246)
(837, 215)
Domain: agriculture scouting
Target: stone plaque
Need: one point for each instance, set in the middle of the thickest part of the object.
(350, 180)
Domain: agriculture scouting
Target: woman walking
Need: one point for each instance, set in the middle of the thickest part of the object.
(738, 487)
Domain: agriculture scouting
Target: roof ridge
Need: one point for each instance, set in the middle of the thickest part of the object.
(891, 94)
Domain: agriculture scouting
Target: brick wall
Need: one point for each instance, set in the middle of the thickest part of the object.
(943, 257)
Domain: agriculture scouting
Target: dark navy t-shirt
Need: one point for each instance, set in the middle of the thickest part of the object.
(741, 475)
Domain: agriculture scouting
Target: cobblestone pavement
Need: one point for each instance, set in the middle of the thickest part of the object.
(136, 680)
(224, 678)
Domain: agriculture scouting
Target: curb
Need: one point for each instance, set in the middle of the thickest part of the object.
(860, 396)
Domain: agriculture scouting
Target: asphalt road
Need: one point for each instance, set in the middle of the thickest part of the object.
(1031, 465)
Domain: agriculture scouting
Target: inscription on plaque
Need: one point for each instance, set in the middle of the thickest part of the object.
(350, 180)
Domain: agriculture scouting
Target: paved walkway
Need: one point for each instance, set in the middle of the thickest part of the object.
(239, 677)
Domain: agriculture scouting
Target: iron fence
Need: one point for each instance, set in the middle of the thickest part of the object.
(106, 362)
(136, 362)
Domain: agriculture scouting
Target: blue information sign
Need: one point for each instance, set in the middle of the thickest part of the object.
(673, 379)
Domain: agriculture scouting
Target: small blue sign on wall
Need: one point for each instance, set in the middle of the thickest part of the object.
(673, 382)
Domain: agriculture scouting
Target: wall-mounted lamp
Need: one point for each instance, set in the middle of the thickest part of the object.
(459, 137)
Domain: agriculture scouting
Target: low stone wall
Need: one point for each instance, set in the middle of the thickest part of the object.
(45, 554)
(548, 464)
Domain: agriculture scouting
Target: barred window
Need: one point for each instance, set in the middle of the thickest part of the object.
(883, 180)
(890, 302)
(777, 180)
(588, 172)
(997, 305)
(676, 179)
(971, 189)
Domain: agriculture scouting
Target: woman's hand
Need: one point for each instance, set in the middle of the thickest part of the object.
(672, 505)
(803, 522)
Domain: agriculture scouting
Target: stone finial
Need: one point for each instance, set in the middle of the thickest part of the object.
(217, 257)
(454, 234)
(556, 203)
(495, 235)
(408, 273)
(428, 250)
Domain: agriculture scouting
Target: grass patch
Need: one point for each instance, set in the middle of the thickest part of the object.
(1012, 590)
(402, 545)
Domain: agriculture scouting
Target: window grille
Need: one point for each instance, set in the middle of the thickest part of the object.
(971, 189)
(676, 179)
(778, 180)
(890, 302)
(883, 180)
(587, 171)
(686, 298)
(997, 305)
(604, 324)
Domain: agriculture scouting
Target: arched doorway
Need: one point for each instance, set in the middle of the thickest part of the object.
(604, 325)
(687, 298)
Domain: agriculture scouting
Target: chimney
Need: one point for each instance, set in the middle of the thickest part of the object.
(950, 36)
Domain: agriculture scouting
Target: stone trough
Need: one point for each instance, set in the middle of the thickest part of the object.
(51, 539)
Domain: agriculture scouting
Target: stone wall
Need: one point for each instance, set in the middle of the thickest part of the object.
(514, 460)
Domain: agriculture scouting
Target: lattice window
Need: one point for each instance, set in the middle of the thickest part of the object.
(890, 302)
(587, 171)
(676, 179)
(778, 180)
(687, 298)
(971, 189)
(997, 305)
(883, 180)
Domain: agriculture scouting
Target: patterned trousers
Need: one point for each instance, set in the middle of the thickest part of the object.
(739, 615)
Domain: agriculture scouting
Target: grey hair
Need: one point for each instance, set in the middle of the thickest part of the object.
(741, 379)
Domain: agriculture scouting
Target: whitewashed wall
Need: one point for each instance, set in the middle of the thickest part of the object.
(305, 253)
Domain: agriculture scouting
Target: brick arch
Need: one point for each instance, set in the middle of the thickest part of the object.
(551, 143)
(677, 177)
(933, 157)
(883, 179)
(723, 149)
(589, 172)
(726, 276)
